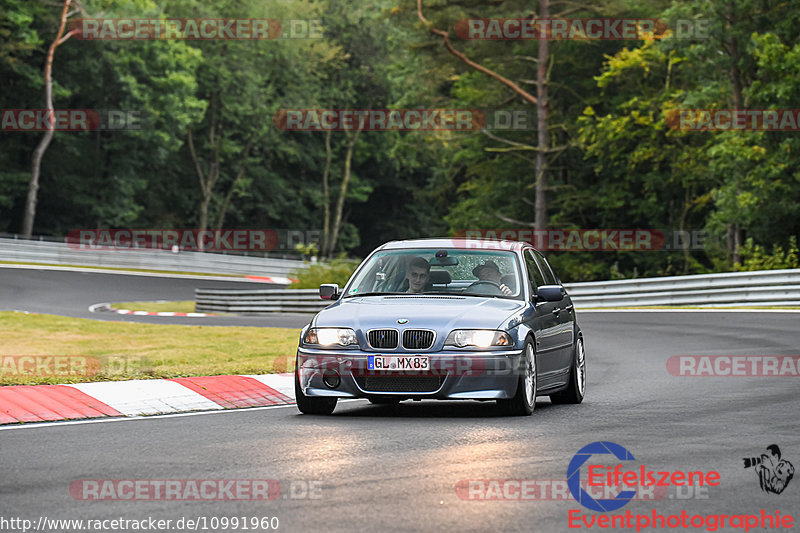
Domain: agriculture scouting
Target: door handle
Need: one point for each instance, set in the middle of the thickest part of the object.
(569, 308)
(557, 311)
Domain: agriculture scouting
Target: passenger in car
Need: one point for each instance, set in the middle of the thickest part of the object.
(489, 271)
(417, 275)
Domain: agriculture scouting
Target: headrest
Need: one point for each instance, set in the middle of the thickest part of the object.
(440, 277)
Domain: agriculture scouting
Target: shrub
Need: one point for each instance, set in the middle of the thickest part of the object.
(335, 271)
(755, 257)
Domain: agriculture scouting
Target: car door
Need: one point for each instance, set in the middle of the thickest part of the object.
(545, 325)
(564, 313)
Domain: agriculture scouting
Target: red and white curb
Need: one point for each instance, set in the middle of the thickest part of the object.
(157, 313)
(106, 308)
(273, 279)
(40, 403)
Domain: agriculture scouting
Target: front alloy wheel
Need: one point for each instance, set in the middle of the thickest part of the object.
(524, 401)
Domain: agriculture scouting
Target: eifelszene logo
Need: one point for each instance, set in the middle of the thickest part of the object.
(600, 475)
(774, 473)
(574, 477)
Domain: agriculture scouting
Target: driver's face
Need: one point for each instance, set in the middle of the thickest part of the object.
(417, 278)
(489, 274)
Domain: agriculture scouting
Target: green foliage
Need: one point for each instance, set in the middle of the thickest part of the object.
(616, 161)
(334, 271)
(755, 257)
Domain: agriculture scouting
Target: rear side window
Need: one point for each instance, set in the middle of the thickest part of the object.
(534, 274)
(549, 277)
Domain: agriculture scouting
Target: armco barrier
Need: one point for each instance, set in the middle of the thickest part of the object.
(763, 287)
(769, 287)
(59, 253)
(258, 301)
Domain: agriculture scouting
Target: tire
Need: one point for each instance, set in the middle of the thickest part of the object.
(576, 389)
(524, 401)
(312, 406)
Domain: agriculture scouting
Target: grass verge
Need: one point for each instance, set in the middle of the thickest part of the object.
(129, 350)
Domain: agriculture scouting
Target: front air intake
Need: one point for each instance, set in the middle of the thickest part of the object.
(418, 339)
(382, 339)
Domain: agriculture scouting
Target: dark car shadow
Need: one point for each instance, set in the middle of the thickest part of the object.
(432, 409)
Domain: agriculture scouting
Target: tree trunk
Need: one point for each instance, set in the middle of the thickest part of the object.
(38, 154)
(738, 103)
(326, 202)
(348, 160)
(209, 178)
(239, 175)
(540, 206)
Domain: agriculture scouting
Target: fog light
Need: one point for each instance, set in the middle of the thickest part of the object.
(331, 378)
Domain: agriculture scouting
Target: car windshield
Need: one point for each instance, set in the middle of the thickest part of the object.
(483, 273)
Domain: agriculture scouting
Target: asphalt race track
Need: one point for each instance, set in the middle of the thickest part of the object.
(382, 468)
(69, 293)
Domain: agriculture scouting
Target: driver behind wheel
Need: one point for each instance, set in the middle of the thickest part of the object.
(418, 275)
(489, 271)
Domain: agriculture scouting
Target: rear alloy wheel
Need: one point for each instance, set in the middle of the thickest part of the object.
(577, 378)
(310, 405)
(524, 401)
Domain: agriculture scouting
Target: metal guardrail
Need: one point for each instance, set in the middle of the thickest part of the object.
(59, 253)
(769, 287)
(763, 287)
(258, 301)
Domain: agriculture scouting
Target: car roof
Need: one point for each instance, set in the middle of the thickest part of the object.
(455, 242)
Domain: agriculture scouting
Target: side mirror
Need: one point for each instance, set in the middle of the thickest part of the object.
(329, 291)
(550, 293)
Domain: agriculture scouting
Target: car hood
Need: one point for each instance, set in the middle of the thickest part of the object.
(439, 313)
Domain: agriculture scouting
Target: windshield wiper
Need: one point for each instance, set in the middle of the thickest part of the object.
(442, 292)
(370, 294)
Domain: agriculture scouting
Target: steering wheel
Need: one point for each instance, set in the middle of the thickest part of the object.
(494, 284)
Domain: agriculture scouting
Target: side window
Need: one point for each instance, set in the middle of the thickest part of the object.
(533, 271)
(549, 277)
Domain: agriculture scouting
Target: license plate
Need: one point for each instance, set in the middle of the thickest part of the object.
(391, 362)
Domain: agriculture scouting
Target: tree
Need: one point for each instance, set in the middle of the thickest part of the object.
(38, 153)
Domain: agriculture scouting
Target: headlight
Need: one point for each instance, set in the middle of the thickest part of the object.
(481, 338)
(330, 336)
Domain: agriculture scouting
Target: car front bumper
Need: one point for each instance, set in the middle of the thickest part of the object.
(454, 375)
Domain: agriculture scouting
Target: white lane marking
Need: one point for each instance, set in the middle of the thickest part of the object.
(146, 396)
(155, 417)
(94, 307)
(283, 383)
